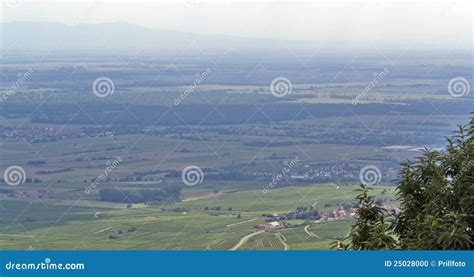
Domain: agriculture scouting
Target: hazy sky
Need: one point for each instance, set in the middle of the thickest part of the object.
(428, 23)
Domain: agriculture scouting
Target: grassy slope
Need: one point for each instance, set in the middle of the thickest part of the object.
(55, 225)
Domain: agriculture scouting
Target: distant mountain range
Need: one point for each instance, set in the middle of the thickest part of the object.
(122, 36)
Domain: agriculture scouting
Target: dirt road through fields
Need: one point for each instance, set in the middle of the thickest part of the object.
(311, 234)
(200, 197)
(242, 222)
(282, 240)
(245, 239)
(103, 230)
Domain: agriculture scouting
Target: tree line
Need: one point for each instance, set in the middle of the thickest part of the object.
(168, 193)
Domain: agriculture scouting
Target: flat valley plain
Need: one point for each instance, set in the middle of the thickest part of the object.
(340, 117)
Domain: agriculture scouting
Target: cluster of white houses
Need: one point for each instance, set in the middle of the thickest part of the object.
(336, 214)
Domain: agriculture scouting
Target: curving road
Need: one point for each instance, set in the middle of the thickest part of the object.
(311, 234)
(245, 239)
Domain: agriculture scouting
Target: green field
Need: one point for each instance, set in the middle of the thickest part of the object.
(83, 224)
